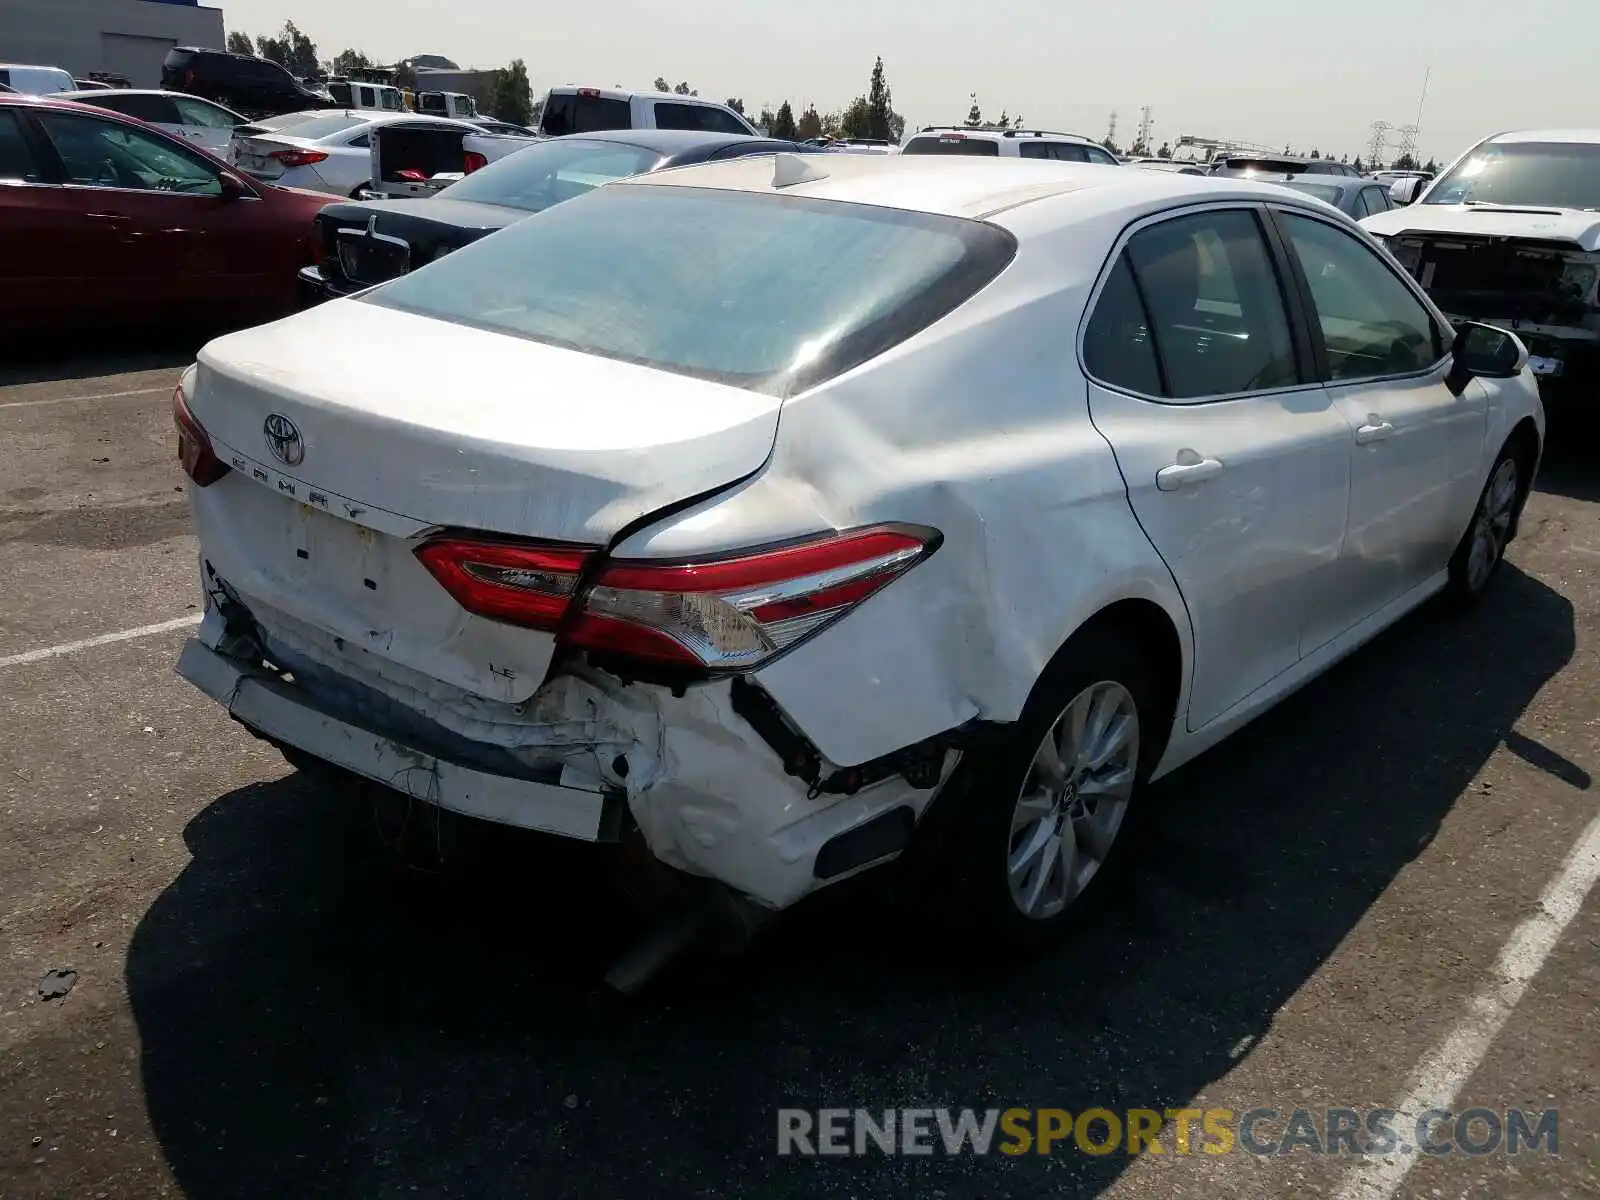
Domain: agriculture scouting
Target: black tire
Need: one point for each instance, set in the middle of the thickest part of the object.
(988, 785)
(1493, 523)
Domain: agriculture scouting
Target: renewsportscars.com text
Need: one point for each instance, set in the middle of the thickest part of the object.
(1180, 1131)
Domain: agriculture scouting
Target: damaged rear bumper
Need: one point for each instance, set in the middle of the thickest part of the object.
(708, 796)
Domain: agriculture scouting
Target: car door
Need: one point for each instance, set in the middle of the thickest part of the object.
(180, 247)
(51, 251)
(1416, 445)
(207, 125)
(1237, 462)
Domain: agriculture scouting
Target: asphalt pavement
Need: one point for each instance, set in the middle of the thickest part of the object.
(1377, 896)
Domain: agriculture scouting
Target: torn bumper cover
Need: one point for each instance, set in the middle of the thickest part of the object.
(708, 795)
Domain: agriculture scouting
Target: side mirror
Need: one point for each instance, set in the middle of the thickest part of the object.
(232, 189)
(1484, 352)
(1404, 191)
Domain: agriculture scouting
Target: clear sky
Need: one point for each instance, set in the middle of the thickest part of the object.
(1270, 71)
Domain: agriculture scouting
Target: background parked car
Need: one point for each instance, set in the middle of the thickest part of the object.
(123, 223)
(1008, 143)
(36, 81)
(590, 110)
(331, 152)
(253, 86)
(1355, 198)
(207, 125)
(361, 244)
(1270, 168)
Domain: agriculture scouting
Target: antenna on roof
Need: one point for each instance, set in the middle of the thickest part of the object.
(790, 169)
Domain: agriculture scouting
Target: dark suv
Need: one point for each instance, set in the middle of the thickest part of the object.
(256, 87)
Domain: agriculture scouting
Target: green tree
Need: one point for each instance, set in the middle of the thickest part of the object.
(292, 50)
(737, 106)
(240, 43)
(661, 84)
(1005, 119)
(974, 114)
(767, 117)
(1405, 162)
(833, 125)
(1431, 167)
(1111, 147)
(511, 97)
(810, 124)
(1357, 165)
(880, 105)
(783, 122)
(683, 89)
(856, 120)
(347, 62)
(1165, 151)
(1316, 153)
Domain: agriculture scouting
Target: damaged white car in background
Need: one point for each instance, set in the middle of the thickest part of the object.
(786, 514)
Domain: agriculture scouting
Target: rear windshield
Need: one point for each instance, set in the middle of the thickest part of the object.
(1268, 166)
(1325, 192)
(541, 176)
(569, 112)
(767, 292)
(1528, 174)
(316, 128)
(956, 144)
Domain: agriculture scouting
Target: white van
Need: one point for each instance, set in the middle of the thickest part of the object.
(36, 81)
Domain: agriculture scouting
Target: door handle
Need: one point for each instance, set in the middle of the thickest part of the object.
(1190, 469)
(1375, 430)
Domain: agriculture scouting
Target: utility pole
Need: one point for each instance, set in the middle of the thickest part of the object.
(1111, 128)
(1146, 125)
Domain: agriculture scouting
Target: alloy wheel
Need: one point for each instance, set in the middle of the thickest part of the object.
(1491, 524)
(1073, 800)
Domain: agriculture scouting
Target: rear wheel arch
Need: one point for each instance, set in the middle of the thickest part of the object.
(1150, 629)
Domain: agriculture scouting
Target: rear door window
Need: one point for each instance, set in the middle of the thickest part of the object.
(702, 118)
(1216, 305)
(1117, 346)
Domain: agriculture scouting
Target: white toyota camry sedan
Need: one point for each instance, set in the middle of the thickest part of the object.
(786, 514)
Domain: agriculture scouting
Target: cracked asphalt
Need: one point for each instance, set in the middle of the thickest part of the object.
(267, 1005)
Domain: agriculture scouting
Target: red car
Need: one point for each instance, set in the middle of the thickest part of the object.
(105, 219)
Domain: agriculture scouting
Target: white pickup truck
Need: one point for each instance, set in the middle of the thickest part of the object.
(590, 110)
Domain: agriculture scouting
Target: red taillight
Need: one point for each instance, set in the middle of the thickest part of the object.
(507, 581)
(588, 92)
(299, 158)
(200, 462)
(734, 613)
(412, 175)
(475, 162)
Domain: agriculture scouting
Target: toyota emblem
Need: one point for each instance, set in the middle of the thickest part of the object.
(283, 439)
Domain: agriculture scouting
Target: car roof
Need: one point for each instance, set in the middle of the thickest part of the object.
(1585, 136)
(959, 186)
(129, 92)
(629, 93)
(1004, 135)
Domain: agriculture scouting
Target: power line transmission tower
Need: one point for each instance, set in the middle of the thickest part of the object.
(1408, 142)
(1380, 139)
(1111, 128)
(1146, 124)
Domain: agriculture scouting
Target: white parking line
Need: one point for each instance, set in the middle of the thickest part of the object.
(105, 639)
(155, 391)
(1439, 1077)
